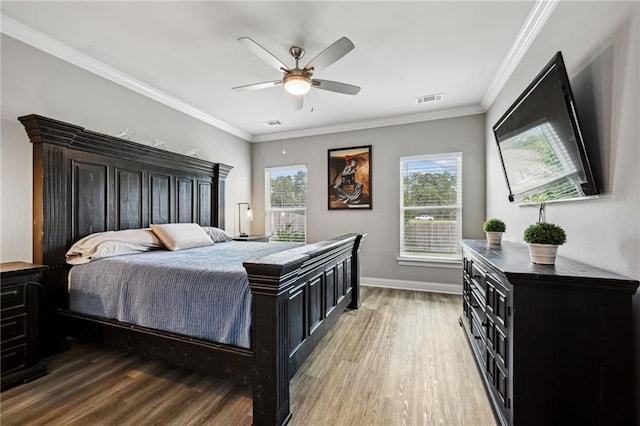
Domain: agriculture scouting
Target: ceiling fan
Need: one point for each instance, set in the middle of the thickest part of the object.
(298, 81)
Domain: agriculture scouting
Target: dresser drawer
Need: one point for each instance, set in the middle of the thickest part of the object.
(14, 358)
(501, 384)
(501, 346)
(478, 276)
(13, 297)
(13, 327)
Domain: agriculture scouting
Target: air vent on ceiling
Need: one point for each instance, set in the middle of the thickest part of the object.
(429, 98)
(271, 123)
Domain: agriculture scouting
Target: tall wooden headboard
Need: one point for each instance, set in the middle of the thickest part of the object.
(86, 182)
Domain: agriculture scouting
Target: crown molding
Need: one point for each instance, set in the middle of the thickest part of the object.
(372, 124)
(27, 35)
(538, 16)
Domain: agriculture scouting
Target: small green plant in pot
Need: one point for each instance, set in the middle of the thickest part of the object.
(543, 239)
(494, 229)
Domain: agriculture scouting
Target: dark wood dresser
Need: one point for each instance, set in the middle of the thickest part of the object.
(19, 319)
(553, 343)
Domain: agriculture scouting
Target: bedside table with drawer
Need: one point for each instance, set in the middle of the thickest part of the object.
(19, 320)
(261, 238)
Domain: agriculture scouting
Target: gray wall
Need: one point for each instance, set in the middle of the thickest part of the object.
(34, 82)
(600, 43)
(382, 223)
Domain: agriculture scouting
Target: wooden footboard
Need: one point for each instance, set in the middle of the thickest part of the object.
(297, 297)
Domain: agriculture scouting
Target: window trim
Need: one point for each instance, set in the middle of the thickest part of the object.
(430, 260)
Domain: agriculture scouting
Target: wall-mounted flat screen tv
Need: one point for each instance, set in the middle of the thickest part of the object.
(540, 144)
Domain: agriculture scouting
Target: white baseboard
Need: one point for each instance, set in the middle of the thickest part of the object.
(411, 285)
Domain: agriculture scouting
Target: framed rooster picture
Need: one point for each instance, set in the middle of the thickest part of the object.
(350, 178)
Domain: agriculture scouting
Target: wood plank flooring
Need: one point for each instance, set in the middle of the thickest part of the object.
(401, 359)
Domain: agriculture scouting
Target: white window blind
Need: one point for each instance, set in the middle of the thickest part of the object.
(431, 206)
(286, 203)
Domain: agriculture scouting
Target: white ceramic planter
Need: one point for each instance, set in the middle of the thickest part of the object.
(494, 237)
(543, 254)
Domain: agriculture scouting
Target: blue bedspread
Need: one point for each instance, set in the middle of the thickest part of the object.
(201, 292)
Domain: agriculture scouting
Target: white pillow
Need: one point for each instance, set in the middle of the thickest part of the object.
(180, 236)
(111, 243)
(216, 234)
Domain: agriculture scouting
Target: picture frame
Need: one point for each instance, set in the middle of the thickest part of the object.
(349, 178)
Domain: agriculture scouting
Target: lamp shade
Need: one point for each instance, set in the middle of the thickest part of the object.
(247, 216)
(297, 84)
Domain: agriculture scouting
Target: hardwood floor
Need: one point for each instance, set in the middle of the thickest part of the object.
(401, 359)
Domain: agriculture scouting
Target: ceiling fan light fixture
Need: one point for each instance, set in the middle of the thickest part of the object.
(297, 84)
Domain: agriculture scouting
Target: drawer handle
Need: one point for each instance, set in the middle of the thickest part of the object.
(476, 275)
(10, 293)
(477, 337)
(475, 305)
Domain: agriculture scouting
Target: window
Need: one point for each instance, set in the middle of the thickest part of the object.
(286, 203)
(431, 207)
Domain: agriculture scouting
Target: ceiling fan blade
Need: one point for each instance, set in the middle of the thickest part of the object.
(262, 53)
(334, 86)
(298, 101)
(257, 86)
(331, 54)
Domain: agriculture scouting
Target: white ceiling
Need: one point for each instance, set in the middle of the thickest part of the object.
(185, 54)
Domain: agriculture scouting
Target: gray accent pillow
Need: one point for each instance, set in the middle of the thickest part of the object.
(216, 234)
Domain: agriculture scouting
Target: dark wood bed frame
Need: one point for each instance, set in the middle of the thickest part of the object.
(86, 182)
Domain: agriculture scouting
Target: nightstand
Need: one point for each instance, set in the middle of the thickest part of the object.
(19, 319)
(262, 238)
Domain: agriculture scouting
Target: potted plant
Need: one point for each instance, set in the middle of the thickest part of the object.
(494, 229)
(543, 239)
